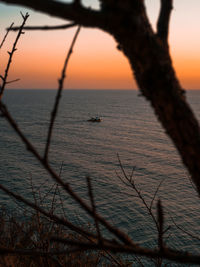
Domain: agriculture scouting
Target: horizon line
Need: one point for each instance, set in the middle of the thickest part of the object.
(89, 89)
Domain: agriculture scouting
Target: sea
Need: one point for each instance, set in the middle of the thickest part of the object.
(130, 133)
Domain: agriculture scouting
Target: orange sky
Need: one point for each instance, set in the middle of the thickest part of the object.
(96, 63)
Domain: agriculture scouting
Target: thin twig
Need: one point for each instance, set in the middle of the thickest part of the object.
(90, 192)
(51, 216)
(185, 231)
(132, 183)
(57, 100)
(35, 199)
(46, 28)
(4, 39)
(56, 190)
(13, 81)
(12, 53)
(160, 219)
(156, 192)
(6, 251)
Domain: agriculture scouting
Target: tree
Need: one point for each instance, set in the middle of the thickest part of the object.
(149, 57)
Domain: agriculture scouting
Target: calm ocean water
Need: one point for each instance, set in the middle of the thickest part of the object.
(130, 129)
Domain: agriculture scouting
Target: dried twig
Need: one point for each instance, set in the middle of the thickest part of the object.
(13, 81)
(11, 53)
(155, 194)
(32, 252)
(185, 231)
(55, 218)
(160, 219)
(46, 28)
(4, 39)
(131, 181)
(90, 192)
(57, 100)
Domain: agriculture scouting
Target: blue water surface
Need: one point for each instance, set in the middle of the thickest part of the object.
(129, 129)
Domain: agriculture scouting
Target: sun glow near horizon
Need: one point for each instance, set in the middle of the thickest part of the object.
(96, 63)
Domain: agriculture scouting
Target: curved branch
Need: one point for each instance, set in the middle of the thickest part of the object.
(73, 11)
(164, 18)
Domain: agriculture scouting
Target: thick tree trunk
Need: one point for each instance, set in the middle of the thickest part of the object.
(153, 70)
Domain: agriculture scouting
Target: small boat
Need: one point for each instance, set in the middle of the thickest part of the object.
(95, 119)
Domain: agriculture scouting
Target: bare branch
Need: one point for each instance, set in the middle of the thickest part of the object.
(68, 11)
(90, 192)
(46, 28)
(132, 183)
(49, 215)
(13, 81)
(185, 231)
(57, 100)
(4, 39)
(160, 219)
(155, 194)
(12, 53)
(164, 18)
(166, 253)
(115, 231)
(32, 252)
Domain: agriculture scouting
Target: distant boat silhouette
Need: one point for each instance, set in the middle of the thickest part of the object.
(95, 119)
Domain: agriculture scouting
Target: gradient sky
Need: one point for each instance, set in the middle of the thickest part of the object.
(95, 63)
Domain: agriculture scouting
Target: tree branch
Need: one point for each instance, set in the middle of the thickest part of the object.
(164, 18)
(68, 11)
(4, 39)
(11, 53)
(46, 28)
(58, 96)
(167, 253)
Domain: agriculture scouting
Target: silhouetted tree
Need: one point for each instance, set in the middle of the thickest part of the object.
(148, 54)
(149, 57)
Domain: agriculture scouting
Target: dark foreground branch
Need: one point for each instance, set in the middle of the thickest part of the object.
(46, 28)
(61, 83)
(68, 11)
(164, 18)
(166, 253)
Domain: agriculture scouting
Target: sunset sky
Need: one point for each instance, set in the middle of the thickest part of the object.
(95, 63)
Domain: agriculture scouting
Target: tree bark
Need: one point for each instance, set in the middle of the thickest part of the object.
(149, 57)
